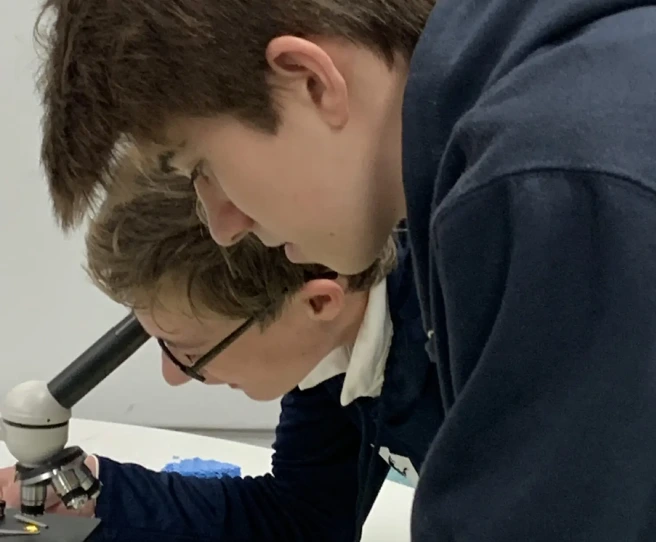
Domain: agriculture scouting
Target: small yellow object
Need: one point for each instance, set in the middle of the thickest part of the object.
(31, 529)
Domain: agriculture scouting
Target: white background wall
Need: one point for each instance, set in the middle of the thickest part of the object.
(49, 312)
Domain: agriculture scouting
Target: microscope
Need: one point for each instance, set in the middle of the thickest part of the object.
(35, 417)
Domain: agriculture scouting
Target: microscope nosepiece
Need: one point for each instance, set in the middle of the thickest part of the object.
(68, 475)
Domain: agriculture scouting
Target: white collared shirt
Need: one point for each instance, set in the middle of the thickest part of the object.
(364, 363)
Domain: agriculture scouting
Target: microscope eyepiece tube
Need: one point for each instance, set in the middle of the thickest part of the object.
(98, 361)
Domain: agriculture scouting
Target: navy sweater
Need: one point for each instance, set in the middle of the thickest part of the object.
(326, 470)
(530, 172)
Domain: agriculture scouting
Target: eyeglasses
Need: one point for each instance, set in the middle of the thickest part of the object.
(193, 370)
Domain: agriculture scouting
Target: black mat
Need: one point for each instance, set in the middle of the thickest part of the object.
(61, 528)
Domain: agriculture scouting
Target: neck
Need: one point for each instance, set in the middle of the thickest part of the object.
(352, 320)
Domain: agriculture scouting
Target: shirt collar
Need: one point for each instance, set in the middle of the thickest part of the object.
(364, 363)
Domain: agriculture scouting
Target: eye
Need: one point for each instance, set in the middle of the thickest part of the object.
(196, 172)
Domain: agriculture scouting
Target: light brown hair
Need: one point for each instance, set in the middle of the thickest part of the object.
(150, 244)
(125, 68)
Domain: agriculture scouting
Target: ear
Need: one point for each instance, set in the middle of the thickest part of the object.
(323, 299)
(302, 65)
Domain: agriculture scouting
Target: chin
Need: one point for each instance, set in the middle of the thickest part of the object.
(340, 265)
(294, 254)
(261, 396)
(349, 260)
(350, 266)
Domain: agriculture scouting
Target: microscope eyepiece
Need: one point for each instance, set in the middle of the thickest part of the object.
(98, 361)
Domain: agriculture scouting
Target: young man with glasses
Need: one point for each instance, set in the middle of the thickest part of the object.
(347, 353)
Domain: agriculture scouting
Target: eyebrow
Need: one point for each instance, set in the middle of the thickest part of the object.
(165, 158)
(164, 161)
(179, 346)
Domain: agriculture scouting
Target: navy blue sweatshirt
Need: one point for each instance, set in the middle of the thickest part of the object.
(530, 173)
(326, 469)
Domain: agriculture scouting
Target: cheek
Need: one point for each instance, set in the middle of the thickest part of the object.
(250, 361)
(263, 183)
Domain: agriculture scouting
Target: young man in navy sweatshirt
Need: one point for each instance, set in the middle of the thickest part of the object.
(346, 352)
(518, 137)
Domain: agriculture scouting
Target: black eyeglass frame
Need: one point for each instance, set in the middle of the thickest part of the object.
(193, 371)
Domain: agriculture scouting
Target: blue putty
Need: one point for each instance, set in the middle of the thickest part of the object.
(202, 468)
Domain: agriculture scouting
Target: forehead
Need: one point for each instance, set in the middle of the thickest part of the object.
(180, 325)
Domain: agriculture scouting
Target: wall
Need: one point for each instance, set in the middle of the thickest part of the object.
(49, 312)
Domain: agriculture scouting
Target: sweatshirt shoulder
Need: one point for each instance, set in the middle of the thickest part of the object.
(583, 104)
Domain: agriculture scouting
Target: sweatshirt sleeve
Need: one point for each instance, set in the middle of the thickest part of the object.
(544, 310)
(310, 495)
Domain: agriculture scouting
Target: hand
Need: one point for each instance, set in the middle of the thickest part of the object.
(10, 492)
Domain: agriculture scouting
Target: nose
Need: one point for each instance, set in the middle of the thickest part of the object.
(227, 224)
(172, 375)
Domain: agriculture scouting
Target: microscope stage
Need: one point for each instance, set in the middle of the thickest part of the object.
(61, 528)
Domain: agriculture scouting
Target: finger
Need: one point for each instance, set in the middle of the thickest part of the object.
(11, 495)
(88, 510)
(52, 500)
(7, 476)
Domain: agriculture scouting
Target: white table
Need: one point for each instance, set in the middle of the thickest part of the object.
(154, 448)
